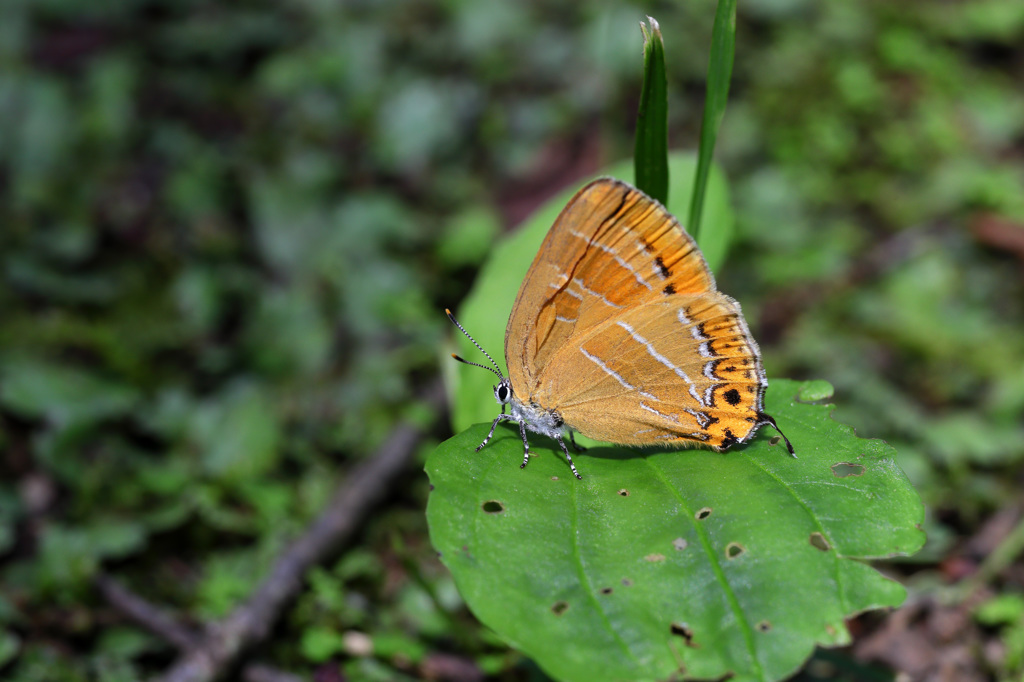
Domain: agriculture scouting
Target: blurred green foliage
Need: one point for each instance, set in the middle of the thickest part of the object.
(228, 232)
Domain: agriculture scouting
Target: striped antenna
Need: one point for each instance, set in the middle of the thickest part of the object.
(496, 370)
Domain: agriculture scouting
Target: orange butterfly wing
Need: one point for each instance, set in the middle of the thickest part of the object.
(618, 326)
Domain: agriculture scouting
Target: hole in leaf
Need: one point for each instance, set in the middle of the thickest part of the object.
(844, 469)
(624, 492)
(774, 440)
(559, 607)
(654, 558)
(684, 631)
(627, 582)
(606, 590)
(733, 550)
(554, 478)
(818, 540)
(703, 513)
(493, 507)
(764, 626)
(679, 544)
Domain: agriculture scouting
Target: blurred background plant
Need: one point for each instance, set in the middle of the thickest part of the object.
(228, 232)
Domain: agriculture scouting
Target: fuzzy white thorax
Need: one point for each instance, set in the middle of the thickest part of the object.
(537, 419)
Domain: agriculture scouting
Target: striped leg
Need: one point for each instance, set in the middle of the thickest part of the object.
(526, 445)
(568, 456)
(500, 418)
(572, 439)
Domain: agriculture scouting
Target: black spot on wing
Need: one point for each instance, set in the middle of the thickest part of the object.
(662, 268)
(669, 289)
(732, 396)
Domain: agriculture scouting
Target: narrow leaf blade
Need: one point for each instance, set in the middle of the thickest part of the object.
(650, 155)
(723, 48)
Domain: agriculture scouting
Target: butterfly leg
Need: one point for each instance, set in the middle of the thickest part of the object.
(572, 439)
(526, 445)
(568, 456)
(500, 418)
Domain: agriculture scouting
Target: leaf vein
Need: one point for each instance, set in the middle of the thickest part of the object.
(838, 574)
(716, 567)
(585, 583)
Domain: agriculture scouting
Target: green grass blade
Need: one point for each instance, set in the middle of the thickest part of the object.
(650, 157)
(723, 48)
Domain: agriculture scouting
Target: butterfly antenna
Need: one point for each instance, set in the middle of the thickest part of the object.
(475, 364)
(496, 370)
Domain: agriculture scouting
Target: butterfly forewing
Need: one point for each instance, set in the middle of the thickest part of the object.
(619, 328)
(612, 248)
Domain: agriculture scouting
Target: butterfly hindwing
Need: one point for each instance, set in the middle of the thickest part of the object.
(668, 372)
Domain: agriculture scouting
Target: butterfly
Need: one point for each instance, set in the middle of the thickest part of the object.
(619, 333)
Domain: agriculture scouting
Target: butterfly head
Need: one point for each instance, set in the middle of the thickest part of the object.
(503, 393)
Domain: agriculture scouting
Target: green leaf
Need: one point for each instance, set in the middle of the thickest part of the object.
(320, 643)
(485, 311)
(228, 578)
(723, 48)
(392, 644)
(70, 555)
(10, 644)
(1003, 609)
(237, 433)
(126, 642)
(660, 561)
(650, 155)
(288, 334)
(61, 393)
(468, 236)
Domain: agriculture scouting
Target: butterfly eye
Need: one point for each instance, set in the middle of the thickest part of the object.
(501, 393)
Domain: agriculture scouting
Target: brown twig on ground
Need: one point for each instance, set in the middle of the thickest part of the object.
(157, 620)
(165, 624)
(251, 622)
